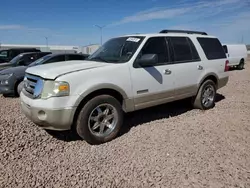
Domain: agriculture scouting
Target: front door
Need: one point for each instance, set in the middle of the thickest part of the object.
(155, 84)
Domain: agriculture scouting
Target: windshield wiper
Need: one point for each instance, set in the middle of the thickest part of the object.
(99, 58)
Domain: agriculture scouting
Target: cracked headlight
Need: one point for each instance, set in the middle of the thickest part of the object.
(55, 89)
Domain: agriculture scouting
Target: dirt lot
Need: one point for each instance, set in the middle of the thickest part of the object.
(167, 146)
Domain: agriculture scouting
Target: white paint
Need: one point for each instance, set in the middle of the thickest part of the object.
(236, 52)
(84, 76)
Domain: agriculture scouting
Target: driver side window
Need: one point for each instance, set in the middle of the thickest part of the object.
(157, 45)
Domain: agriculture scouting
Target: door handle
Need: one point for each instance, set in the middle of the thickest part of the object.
(199, 67)
(167, 71)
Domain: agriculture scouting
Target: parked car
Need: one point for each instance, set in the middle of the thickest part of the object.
(11, 78)
(127, 73)
(237, 55)
(23, 59)
(7, 55)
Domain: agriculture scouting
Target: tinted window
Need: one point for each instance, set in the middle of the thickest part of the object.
(39, 55)
(4, 54)
(156, 45)
(27, 59)
(57, 58)
(195, 55)
(41, 60)
(225, 48)
(181, 49)
(212, 48)
(75, 57)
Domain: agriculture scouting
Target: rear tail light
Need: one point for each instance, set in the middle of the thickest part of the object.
(226, 66)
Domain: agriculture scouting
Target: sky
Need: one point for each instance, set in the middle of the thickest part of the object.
(73, 22)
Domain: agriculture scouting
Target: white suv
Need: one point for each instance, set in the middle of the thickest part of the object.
(127, 73)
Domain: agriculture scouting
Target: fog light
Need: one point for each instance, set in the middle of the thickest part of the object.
(42, 115)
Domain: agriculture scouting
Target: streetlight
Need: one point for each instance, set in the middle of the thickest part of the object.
(100, 27)
(46, 38)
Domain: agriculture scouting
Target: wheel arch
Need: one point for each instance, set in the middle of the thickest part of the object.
(103, 89)
(210, 76)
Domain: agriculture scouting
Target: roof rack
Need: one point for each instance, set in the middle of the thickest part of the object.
(183, 31)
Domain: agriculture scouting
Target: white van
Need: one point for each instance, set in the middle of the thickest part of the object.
(237, 54)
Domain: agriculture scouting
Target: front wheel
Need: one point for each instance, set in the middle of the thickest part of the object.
(19, 88)
(100, 119)
(205, 98)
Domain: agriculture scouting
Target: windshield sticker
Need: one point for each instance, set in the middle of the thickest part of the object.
(133, 39)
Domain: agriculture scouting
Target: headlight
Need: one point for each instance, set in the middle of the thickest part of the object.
(5, 78)
(55, 89)
(4, 82)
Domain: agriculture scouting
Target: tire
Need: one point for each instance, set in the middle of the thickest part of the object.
(5, 95)
(94, 117)
(19, 89)
(199, 99)
(241, 65)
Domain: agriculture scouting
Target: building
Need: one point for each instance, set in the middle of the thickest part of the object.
(89, 49)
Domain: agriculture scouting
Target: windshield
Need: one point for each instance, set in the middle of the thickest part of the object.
(16, 59)
(117, 50)
(40, 60)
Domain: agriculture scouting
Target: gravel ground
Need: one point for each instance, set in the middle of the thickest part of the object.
(166, 146)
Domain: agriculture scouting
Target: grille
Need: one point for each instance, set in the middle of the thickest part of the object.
(33, 86)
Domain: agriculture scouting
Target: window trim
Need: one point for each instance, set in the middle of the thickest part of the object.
(172, 50)
(135, 64)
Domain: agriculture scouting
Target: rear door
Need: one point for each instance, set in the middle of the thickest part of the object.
(186, 66)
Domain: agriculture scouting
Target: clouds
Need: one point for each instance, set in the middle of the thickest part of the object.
(201, 8)
(10, 27)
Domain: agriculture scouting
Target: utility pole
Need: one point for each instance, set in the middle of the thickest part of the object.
(46, 38)
(100, 27)
(242, 39)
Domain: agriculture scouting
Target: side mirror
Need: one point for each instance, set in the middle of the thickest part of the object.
(148, 60)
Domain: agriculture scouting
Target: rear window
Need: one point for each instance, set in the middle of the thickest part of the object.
(212, 48)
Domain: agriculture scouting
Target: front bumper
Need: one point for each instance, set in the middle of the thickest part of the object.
(7, 88)
(48, 118)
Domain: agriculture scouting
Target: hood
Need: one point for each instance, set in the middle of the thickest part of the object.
(15, 70)
(5, 65)
(54, 70)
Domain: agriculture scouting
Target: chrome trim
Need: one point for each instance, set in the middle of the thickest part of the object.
(33, 86)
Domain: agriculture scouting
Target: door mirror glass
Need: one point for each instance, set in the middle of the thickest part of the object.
(147, 60)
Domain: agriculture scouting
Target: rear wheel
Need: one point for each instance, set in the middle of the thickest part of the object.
(241, 65)
(205, 98)
(100, 119)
